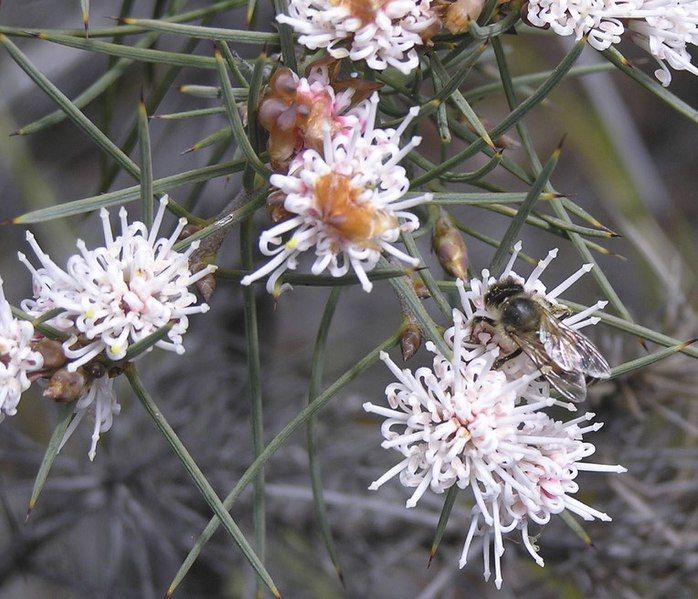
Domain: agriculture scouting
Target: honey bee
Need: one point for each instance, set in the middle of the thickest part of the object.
(563, 355)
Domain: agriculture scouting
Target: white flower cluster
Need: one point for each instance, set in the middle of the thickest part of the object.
(664, 28)
(381, 32)
(17, 359)
(346, 203)
(474, 422)
(104, 301)
(119, 293)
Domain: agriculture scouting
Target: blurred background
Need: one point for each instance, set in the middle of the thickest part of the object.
(120, 526)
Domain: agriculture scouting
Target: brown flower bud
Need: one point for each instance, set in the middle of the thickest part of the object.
(419, 287)
(52, 353)
(65, 386)
(275, 206)
(461, 13)
(449, 246)
(296, 119)
(200, 259)
(411, 339)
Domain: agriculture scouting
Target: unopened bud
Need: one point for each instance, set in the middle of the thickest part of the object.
(52, 353)
(461, 13)
(66, 386)
(449, 247)
(275, 206)
(188, 231)
(200, 259)
(419, 287)
(411, 339)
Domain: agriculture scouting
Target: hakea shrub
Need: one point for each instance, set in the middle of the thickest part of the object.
(337, 178)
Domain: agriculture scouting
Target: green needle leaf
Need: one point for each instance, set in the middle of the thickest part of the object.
(199, 479)
(288, 49)
(234, 115)
(316, 374)
(299, 420)
(136, 349)
(618, 60)
(512, 118)
(134, 53)
(73, 113)
(254, 368)
(146, 165)
(443, 520)
(512, 233)
(237, 36)
(123, 196)
(409, 300)
(428, 278)
(576, 527)
(65, 416)
(644, 361)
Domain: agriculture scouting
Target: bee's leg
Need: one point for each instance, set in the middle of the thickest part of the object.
(481, 319)
(504, 359)
(561, 312)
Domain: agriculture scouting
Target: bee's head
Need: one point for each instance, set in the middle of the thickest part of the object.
(502, 290)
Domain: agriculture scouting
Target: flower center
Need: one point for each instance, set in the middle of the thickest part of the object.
(339, 207)
(364, 10)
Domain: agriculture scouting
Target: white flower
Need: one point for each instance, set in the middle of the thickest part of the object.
(117, 294)
(473, 301)
(101, 401)
(17, 359)
(461, 422)
(381, 32)
(346, 205)
(538, 484)
(457, 422)
(661, 27)
(664, 28)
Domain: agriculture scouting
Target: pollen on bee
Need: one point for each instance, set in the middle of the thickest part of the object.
(340, 208)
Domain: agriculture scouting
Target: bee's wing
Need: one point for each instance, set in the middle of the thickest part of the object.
(570, 349)
(569, 383)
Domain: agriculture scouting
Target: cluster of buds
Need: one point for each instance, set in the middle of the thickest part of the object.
(93, 311)
(479, 422)
(296, 110)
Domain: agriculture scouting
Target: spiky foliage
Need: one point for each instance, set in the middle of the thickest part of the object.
(127, 520)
